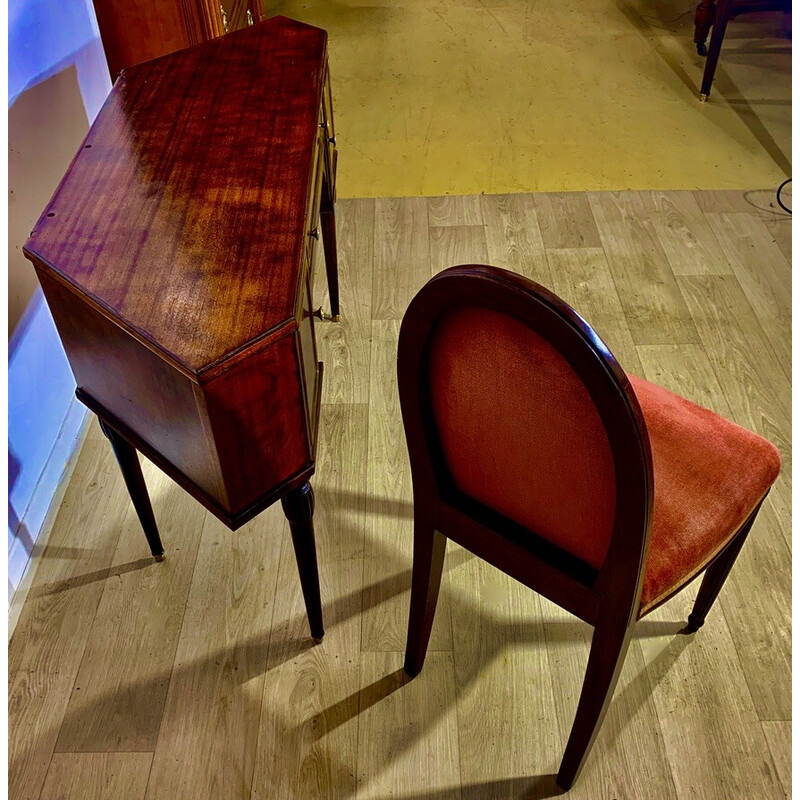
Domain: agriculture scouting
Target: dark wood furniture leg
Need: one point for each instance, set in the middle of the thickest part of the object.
(717, 35)
(717, 574)
(426, 577)
(128, 461)
(298, 506)
(703, 17)
(328, 220)
(609, 647)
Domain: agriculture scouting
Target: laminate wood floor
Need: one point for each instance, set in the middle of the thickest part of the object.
(196, 678)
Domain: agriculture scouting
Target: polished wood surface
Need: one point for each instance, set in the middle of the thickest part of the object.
(197, 162)
(235, 701)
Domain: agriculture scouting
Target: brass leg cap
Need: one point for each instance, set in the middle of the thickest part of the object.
(315, 640)
(703, 97)
(335, 318)
(160, 557)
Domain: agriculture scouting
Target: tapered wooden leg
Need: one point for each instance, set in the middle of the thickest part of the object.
(429, 550)
(703, 17)
(714, 49)
(298, 506)
(131, 470)
(328, 220)
(609, 647)
(717, 574)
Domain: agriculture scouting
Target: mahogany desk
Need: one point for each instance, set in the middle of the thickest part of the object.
(176, 257)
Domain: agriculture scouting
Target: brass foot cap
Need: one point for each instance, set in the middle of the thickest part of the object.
(703, 97)
(335, 318)
(316, 640)
(159, 557)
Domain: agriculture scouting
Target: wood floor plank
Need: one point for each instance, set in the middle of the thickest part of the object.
(755, 598)
(454, 245)
(119, 694)
(758, 202)
(407, 735)
(582, 278)
(749, 373)
(654, 307)
(779, 741)
(498, 641)
(402, 258)
(710, 728)
(97, 776)
(566, 220)
(513, 238)
(307, 744)
(764, 274)
(685, 235)
(389, 542)
(628, 758)
(344, 345)
(46, 649)
(455, 210)
(208, 738)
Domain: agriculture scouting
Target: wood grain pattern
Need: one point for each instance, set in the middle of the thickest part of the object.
(715, 723)
(513, 238)
(465, 244)
(407, 737)
(97, 776)
(45, 652)
(118, 699)
(760, 621)
(253, 710)
(401, 255)
(764, 274)
(454, 210)
(582, 277)
(346, 344)
(654, 308)
(177, 179)
(684, 233)
(307, 744)
(566, 220)
(218, 673)
(779, 741)
(387, 551)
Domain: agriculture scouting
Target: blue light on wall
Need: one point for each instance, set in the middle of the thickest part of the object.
(45, 37)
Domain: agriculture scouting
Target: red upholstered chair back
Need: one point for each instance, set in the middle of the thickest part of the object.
(513, 405)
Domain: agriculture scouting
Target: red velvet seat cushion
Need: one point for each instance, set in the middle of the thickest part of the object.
(709, 475)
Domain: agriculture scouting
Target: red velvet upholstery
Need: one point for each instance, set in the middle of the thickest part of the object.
(519, 429)
(520, 434)
(709, 474)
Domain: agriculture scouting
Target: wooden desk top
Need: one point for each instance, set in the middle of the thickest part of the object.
(182, 216)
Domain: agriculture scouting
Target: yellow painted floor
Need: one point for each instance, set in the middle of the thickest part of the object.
(464, 97)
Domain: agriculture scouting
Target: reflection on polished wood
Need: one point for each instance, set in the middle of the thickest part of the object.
(250, 708)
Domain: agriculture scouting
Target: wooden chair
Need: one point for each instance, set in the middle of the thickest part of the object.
(531, 447)
(719, 13)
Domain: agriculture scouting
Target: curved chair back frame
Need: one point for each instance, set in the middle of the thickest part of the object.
(607, 597)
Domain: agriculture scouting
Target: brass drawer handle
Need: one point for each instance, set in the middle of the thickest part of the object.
(314, 234)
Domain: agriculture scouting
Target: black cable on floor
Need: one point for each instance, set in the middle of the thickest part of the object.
(778, 196)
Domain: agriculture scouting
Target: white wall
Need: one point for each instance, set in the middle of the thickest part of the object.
(57, 81)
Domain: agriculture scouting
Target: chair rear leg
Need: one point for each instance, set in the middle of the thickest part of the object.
(429, 550)
(717, 574)
(609, 647)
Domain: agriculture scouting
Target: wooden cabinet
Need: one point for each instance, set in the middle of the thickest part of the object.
(177, 259)
(133, 31)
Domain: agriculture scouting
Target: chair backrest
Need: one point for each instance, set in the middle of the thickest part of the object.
(512, 402)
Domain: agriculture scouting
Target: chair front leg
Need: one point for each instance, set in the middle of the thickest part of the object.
(429, 550)
(609, 647)
(717, 574)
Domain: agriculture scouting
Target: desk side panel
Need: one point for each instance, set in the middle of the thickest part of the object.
(150, 396)
(257, 416)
